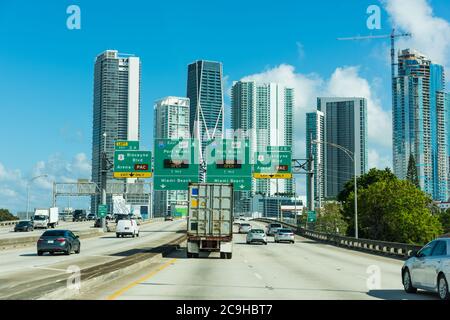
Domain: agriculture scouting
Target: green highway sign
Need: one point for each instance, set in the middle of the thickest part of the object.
(176, 163)
(228, 161)
(132, 164)
(312, 217)
(275, 163)
(122, 145)
(102, 210)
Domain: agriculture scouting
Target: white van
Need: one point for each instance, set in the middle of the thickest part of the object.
(127, 228)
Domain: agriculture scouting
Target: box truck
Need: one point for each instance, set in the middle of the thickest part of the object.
(46, 218)
(209, 224)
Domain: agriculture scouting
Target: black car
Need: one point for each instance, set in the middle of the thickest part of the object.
(53, 241)
(98, 223)
(168, 218)
(122, 217)
(24, 226)
(79, 215)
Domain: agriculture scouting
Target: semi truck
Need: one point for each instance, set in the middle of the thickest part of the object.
(209, 223)
(46, 218)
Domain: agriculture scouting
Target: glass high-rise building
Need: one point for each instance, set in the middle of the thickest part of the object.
(420, 122)
(205, 92)
(171, 117)
(340, 121)
(315, 130)
(116, 109)
(265, 112)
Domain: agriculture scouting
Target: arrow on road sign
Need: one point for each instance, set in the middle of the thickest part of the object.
(163, 186)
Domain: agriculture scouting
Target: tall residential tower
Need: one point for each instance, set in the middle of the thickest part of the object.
(171, 119)
(116, 107)
(205, 92)
(420, 123)
(265, 112)
(343, 122)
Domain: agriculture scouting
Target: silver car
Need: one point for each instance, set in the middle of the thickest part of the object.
(284, 235)
(272, 228)
(256, 235)
(429, 269)
(245, 227)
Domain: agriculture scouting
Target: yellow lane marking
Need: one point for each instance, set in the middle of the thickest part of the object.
(135, 283)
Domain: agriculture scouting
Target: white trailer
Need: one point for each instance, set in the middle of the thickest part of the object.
(210, 224)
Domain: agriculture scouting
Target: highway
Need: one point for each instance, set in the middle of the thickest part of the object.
(7, 232)
(19, 266)
(304, 270)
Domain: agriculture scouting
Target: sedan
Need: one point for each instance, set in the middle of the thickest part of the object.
(245, 228)
(284, 235)
(58, 241)
(256, 235)
(24, 226)
(429, 269)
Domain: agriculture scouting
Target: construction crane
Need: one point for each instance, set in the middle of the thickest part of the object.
(392, 36)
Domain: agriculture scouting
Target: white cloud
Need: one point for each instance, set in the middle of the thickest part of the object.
(378, 161)
(13, 183)
(430, 34)
(344, 81)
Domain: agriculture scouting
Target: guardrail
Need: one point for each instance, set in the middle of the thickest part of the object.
(401, 250)
(9, 223)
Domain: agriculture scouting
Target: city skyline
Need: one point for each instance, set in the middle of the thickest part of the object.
(67, 155)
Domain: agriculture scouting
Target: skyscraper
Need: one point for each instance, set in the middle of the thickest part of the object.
(420, 122)
(171, 119)
(345, 124)
(315, 130)
(205, 92)
(265, 111)
(116, 107)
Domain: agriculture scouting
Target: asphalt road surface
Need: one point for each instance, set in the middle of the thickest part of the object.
(18, 266)
(304, 270)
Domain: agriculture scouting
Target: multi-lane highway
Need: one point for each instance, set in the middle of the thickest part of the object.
(20, 266)
(304, 270)
(7, 232)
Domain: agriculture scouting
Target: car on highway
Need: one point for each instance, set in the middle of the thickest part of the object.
(26, 226)
(168, 218)
(128, 227)
(98, 223)
(256, 235)
(91, 217)
(429, 269)
(121, 216)
(245, 228)
(284, 235)
(272, 227)
(109, 217)
(53, 241)
(79, 215)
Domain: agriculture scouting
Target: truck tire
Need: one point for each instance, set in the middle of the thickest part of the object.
(189, 255)
(223, 255)
(229, 255)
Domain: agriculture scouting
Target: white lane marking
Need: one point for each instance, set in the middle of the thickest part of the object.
(258, 276)
(51, 269)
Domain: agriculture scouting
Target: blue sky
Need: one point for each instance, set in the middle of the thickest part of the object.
(46, 78)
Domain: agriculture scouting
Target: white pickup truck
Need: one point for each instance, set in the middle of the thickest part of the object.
(46, 218)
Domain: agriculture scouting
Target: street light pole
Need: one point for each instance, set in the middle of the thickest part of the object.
(28, 191)
(351, 155)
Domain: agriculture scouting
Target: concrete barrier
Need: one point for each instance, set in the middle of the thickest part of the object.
(393, 249)
(56, 288)
(11, 243)
(8, 223)
(20, 242)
